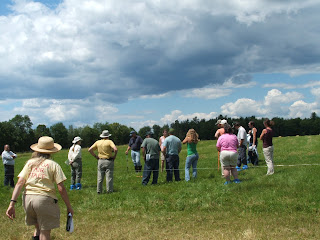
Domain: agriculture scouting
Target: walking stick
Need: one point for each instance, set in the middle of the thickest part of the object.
(218, 161)
(127, 163)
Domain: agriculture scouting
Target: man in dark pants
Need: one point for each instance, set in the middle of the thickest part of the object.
(242, 150)
(8, 163)
(150, 151)
(171, 149)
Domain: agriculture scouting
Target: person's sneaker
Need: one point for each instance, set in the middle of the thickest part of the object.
(245, 167)
(238, 168)
(236, 181)
(78, 186)
(227, 182)
(72, 187)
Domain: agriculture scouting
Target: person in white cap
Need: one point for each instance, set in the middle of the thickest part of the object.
(39, 176)
(105, 158)
(75, 162)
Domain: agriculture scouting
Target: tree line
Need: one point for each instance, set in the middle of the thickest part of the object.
(19, 134)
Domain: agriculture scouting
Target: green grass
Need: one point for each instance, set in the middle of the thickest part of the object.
(282, 206)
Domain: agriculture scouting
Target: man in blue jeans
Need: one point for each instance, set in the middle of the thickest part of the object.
(171, 149)
(135, 145)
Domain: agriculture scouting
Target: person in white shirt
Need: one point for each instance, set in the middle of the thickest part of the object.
(242, 150)
(161, 141)
(8, 163)
(75, 161)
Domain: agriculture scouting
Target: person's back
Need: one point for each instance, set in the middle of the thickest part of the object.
(228, 142)
(152, 147)
(173, 145)
(104, 147)
(41, 178)
(267, 138)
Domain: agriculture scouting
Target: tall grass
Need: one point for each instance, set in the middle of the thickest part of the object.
(282, 206)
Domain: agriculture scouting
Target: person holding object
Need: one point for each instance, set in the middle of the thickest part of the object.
(39, 176)
(150, 150)
(266, 136)
(135, 145)
(75, 162)
(8, 163)
(171, 149)
(191, 139)
(105, 147)
(161, 141)
(253, 144)
(227, 145)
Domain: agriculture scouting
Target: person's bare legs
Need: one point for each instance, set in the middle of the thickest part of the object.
(36, 230)
(45, 234)
(234, 172)
(226, 172)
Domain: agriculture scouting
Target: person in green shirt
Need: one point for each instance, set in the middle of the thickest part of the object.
(192, 139)
(150, 150)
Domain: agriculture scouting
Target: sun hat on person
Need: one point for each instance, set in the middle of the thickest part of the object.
(223, 121)
(77, 139)
(46, 145)
(218, 122)
(105, 133)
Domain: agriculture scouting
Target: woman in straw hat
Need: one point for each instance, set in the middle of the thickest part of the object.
(75, 162)
(39, 175)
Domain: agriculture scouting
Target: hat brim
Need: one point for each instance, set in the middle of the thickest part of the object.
(57, 147)
(77, 141)
(103, 136)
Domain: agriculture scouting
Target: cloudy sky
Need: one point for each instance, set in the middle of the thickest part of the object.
(145, 62)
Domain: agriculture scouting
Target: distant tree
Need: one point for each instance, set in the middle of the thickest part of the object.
(89, 136)
(7, 136)
(142, 132)
(42, 130)
(156, 131)
(60, 134)
(23, 132)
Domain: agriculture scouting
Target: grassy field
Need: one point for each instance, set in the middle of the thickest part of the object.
(282, 206)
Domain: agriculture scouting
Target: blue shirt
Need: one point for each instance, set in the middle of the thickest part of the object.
(172, 144)
(8, 157)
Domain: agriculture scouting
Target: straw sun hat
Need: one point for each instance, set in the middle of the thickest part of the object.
(46, 145)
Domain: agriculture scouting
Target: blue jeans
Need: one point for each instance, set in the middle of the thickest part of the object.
(242, 158)
(191, 160)
(150, 166)
(172, 167)
(135, 155)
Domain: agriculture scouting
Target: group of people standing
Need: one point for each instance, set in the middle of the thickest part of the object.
(232, 149)
(40, 174)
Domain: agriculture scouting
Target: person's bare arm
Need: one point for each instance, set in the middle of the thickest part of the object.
(164, 150)
(262, 134)
(128, 150)
(11, 212)
(91, 151)
(254, 134)
(115, 150)
(64, 195)
(185, 140)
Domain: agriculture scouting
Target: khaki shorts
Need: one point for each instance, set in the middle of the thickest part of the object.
(41, 210)
(162, 157)
(228, 158)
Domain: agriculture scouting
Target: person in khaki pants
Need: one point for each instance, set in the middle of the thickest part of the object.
(105, 147)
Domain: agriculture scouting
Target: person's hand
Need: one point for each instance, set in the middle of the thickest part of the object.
(127, 152)
(11, 212)
(70, 210)
(70, 163)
